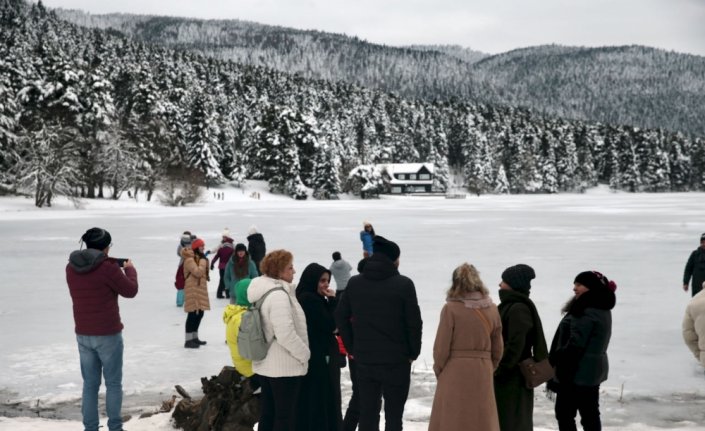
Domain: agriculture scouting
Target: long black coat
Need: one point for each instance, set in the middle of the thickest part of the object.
(256, 247)
(379, 316)
(695, 267)
(521, 329)
(579, 347)
(319, 400)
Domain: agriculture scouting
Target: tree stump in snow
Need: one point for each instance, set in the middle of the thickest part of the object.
(227, 405)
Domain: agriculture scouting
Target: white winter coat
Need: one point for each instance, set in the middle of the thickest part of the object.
(284, 322)
(694, 326)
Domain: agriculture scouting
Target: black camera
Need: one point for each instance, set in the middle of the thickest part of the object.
(121, 261)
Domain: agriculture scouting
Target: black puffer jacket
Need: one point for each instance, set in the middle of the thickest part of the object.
(379, 316)
(256, 247)
(579, 348)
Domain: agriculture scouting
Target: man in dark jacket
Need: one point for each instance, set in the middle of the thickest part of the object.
(695, 268)
(380, 322)
(95, 281)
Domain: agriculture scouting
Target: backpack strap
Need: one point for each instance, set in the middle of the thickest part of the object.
(258, 303)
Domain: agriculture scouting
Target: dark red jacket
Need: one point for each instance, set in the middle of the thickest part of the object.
(95, 282)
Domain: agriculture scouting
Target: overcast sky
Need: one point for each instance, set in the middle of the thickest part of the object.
(491, 26)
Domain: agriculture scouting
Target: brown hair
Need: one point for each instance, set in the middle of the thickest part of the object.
(466, 279)
(275, 262)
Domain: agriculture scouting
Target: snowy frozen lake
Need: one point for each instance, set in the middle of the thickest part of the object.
(639, 240)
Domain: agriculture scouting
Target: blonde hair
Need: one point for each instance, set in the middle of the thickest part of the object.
(466, 279)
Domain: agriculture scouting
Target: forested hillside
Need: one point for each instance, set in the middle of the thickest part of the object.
(635, 85)
(94, 113)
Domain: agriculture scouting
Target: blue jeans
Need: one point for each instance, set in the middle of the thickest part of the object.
(101, 354)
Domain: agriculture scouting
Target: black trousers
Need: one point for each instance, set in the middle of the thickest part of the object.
(221, 285)
(390, 381)
(278, 403)
(193, 320)
(572, 399)
(352, 414)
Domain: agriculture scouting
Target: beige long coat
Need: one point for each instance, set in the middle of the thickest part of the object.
(466, 352)
(694, 326)
(196, 282)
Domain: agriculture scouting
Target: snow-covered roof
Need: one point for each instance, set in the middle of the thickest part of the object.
(406, 168)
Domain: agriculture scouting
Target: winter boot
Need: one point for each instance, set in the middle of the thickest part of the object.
(191, 342)
(199, 341)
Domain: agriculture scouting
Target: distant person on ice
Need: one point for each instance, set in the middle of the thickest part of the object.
(695, 268)
(256, 246)
(196, 301)
(340, 268)
(95, 281)
(239, 267)
(222, 255)
(694, 326)
(367, 236)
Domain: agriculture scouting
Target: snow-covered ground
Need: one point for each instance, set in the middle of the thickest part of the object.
(640, 240)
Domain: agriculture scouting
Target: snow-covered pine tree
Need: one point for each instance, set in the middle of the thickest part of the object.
(697, 178)
(325, 180)
(679, 154)
(97, 118)
(501, 184)
(202, 150)
(566, 157)
(549, 174)
(277, 152)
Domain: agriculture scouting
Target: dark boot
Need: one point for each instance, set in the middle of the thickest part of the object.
(192, 344)
(198, 340)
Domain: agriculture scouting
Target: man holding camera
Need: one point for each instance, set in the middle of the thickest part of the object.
(95, 281)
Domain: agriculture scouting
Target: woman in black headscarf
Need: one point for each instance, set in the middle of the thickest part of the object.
(523, 337)
(319, 400)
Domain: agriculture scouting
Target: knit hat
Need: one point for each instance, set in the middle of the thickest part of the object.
(595, 280)
(702, 237)
(519, 277)
(336, 255)
(253, 230)
(241, 292)
(97, 238)
(240, 247)
(186, 239)
(197, 243)
(388, 248)
(226, 233)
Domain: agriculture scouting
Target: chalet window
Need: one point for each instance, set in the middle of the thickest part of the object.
(401, 176)
(412, 176)
(424, 176)
(396, 189)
